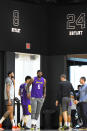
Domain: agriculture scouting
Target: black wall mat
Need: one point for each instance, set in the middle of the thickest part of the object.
(44, 27)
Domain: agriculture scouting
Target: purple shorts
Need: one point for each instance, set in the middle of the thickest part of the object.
(26, 109)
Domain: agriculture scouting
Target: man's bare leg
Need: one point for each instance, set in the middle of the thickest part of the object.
(60, 120)
(69, 120)
(6, 114)
(11, 108)
(65, 118)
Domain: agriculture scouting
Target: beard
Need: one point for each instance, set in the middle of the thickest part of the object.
(12, 77)
(39, 76)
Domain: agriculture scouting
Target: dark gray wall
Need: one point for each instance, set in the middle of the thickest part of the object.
(33, 24)
(44, 26)
(1, 82)
(7, 63)
(52, 67)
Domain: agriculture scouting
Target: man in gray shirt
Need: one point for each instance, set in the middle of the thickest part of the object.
(9, 99)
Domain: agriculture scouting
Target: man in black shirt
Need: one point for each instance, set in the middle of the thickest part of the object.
(63, 97)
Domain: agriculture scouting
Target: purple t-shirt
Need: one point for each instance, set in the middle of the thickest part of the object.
(23, 94)
(37, 87)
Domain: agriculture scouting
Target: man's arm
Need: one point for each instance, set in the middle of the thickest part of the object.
(29, 84)
(19, 92)
(8, 92)
(72, 90)
(28, 88)
(58, 98)
(85, 96)
(44, 88)
(13, 82)
(75, 99)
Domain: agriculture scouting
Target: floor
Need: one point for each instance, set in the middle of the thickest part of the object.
(51, 130)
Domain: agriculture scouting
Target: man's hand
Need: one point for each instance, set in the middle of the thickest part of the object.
(72, 96)
(44, 96)
(57, 103)
(29, 95)
(9, 102)
(76, 102)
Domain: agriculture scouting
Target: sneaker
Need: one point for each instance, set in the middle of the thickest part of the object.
(14, 128)
(60, 128)
(26, 128)
(38, 129)
(76, 127)
(33, 127)
(17, 128)
(65, 128)
(21, 125)
(1, 127)
(71, 125)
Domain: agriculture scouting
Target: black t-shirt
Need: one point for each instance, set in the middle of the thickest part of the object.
(64, 89)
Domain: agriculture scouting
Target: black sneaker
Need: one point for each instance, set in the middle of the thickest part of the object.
(21, 125)
(76, 127)
(35, 127)
(32, 127)
(26, 128)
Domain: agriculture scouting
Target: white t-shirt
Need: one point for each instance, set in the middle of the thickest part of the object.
(8, 81)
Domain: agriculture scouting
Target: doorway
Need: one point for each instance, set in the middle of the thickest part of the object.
(25, 65)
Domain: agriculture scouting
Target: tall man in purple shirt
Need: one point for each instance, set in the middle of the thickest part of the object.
(37, 94)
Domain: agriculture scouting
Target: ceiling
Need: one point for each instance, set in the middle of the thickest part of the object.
(55, 1)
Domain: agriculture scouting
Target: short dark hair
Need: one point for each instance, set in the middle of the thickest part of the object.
(9, 72)
(79, 86)
(39, 71)
(63, 75)
(27, 78)
(83, 78)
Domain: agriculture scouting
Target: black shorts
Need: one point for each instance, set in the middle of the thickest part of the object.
(66, 105)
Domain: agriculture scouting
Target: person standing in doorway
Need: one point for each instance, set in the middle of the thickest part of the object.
(25, 101)
(9, 100)
(37, 94)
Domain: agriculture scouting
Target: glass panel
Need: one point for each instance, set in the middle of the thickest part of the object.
(25, 64)
(75, 73)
